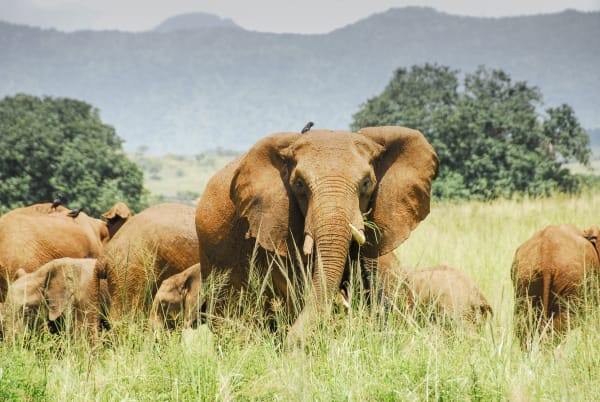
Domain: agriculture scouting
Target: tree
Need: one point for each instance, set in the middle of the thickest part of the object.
(51, 146)
(490, 138)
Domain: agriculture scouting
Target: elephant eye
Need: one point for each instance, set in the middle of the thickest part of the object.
(299, 184)
(365, 185)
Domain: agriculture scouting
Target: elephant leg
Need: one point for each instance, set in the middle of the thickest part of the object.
(373, 273)
(3, 288)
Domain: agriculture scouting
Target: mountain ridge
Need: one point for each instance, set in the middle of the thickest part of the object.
(192, 90)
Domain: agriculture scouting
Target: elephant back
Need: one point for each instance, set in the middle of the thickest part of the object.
(150, 247)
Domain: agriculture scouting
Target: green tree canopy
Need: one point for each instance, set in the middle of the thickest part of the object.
(489, 134)
(51, 146)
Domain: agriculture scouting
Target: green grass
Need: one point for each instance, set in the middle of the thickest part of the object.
(360, 356)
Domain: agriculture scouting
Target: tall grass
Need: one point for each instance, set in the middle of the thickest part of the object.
(360, 355)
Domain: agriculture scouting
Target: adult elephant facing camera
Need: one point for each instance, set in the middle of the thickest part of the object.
(317, 187)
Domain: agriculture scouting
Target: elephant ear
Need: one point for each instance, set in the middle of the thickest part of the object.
(20, 273)
(116, 217)
(592, 234)
(119, 210)
(59, 290)
(405, 170)
(260, 193)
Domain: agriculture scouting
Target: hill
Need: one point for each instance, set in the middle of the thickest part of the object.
(187, 91)
(194, 22)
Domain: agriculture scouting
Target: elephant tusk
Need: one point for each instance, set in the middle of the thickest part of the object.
(345, 300)
(307, 248)
(358, 234)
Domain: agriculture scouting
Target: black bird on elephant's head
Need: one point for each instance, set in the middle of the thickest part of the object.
(57, 201)
(74, 213)
(307, 127)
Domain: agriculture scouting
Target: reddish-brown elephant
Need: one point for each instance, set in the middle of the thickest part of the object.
(304, 197)
(153, 245)
(31, 236)
(549, 272)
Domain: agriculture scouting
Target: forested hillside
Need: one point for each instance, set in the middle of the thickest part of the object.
(186, 91)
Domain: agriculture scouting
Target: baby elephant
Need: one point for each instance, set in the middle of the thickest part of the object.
(442, 293)
(60, 291)
(549, 272)
(178, 297)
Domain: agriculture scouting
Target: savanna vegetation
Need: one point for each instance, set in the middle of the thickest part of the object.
(492, 142)
(51, 146)
(359, 356)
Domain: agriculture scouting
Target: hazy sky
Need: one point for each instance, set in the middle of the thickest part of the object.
(307, 16)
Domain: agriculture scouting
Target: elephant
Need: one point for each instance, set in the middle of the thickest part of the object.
(60, 289)
(552, 273)
(34, 235)
(178, 297)
(151, 246)
(440, 293)
(301, 200)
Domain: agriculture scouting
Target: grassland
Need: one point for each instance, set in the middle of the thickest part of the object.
(176, 178)
(353, 357)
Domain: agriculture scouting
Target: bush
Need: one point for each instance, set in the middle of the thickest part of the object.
(58, 145)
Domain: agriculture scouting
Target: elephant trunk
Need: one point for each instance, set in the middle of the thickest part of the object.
(332, 244)
(332, 214)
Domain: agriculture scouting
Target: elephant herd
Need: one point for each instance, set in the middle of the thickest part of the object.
(299, 211)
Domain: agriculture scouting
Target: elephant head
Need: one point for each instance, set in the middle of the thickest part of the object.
(26, 303)
(177, 295)
(321, 186)
(46, 294)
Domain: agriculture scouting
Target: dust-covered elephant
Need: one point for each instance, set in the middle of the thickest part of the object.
(305, 197)
(151, 246)
(549, 272)
(59, 294)
(177, 300)
(33, 235)
(440, 293)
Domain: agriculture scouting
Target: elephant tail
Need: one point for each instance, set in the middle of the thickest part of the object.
(546, 284)
(100, 269)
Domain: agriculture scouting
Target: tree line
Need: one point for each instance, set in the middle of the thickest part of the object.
(59, 146)
(492, 135)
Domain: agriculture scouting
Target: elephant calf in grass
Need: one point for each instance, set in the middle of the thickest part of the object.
(440, 293)
(451, 293)
(177, 298)
(58, 294)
